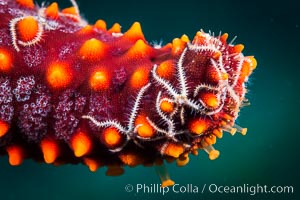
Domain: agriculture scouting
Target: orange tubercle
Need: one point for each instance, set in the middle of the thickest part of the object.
(167, 183)
(100, 25)
(26, 3)
(227, 117)
(92, 49)
(15, 155)
(218, 132)
(249, 65)
(182, 161)
(177, 46)
(111, 137)
(145, 129)
(71, 11)
(167, 106)
(139, 50)
(134, 32)
(5, 61)
(52, 11)
(214, 75)
(195, 152)
(252, 62)
(58, 75)
(237, 48)
(92, 164)
(166, 69)
(130, 159)
(210, 139)
(200, 38)
(210, 150)
(198, 126)
(173, 150)
(185, 38)
(224, 76)
(139, 78)
(209, 99)
(88, 29)
(116, 28)
(99, 80)
(4, 127)
(214, 154)
(217, 55)
(50, 150)
(27, 29)
(224, 37)
(81, 144)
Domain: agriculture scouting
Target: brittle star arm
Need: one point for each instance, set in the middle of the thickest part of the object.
(164, 83)
(106, 123)
(169, 122)
(136, 107)
(181, 75)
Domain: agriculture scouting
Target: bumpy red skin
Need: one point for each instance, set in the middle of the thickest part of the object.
(57, 113)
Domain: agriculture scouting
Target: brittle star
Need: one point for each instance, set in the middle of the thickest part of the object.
(130, 129)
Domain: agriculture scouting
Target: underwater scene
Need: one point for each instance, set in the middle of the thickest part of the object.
(247, 140)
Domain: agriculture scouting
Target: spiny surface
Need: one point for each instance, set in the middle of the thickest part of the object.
(71, 92)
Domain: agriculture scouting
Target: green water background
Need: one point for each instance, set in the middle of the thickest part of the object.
(268, 154)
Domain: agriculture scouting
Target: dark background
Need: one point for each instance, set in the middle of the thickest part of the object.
(268, 154)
